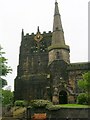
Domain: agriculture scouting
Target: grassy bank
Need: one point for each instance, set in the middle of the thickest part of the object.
(74, 106)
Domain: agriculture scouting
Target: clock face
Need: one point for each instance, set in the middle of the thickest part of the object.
(38, 37)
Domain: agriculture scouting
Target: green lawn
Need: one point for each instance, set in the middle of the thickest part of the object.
(74, 106)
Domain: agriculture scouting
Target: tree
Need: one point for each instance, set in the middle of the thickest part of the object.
(84, 84)
(3, 82)
(7, 97)
(82, 98)
(4, 68)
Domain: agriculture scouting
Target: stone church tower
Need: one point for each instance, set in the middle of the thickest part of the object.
(58, 57)
(44, 70)
(58, 49)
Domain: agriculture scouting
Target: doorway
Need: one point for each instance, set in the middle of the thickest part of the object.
(63, 97)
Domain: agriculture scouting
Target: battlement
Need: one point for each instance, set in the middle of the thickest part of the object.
(44, 33)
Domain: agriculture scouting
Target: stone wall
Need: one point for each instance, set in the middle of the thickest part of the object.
(69, 113)
(63, 113)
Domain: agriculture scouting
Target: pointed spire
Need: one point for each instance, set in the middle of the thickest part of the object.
(56, 8)
(57, 25)
(58, 49)
(58, 35)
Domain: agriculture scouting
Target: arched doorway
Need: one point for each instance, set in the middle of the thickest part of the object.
(63, 97)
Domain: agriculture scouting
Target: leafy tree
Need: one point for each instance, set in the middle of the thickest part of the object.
(82, 98)
(3, 82)
(7, 97)
(4, 68)
(84, 84)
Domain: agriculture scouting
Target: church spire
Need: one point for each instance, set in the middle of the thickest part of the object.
(58, 35)
(56, 8)
(58, 49)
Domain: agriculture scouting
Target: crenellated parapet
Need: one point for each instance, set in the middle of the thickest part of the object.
(44, 33)
(27, 36)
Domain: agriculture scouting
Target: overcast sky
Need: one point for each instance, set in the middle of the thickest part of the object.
(28, 14)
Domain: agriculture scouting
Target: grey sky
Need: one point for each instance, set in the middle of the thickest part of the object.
(28, 14)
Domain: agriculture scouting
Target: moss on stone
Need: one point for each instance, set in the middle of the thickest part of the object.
(57, 46)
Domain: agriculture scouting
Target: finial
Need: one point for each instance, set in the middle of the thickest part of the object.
(38, 29)
(55, 1)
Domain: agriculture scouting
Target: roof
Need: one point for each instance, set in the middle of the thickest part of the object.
(79, 66)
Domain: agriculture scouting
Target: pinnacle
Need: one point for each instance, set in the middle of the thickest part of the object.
(38, 29)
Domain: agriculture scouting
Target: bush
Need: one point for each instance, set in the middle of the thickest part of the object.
(53, 107)
(82, 99)
(20, 103)
(7, 97)
(39, 103)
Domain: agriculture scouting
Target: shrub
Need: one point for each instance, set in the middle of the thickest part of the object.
(53, 107)
(7, 97)
(39, 103)
(20, 103)
(82, 98)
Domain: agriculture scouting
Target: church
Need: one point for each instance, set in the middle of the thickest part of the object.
(44, 70)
